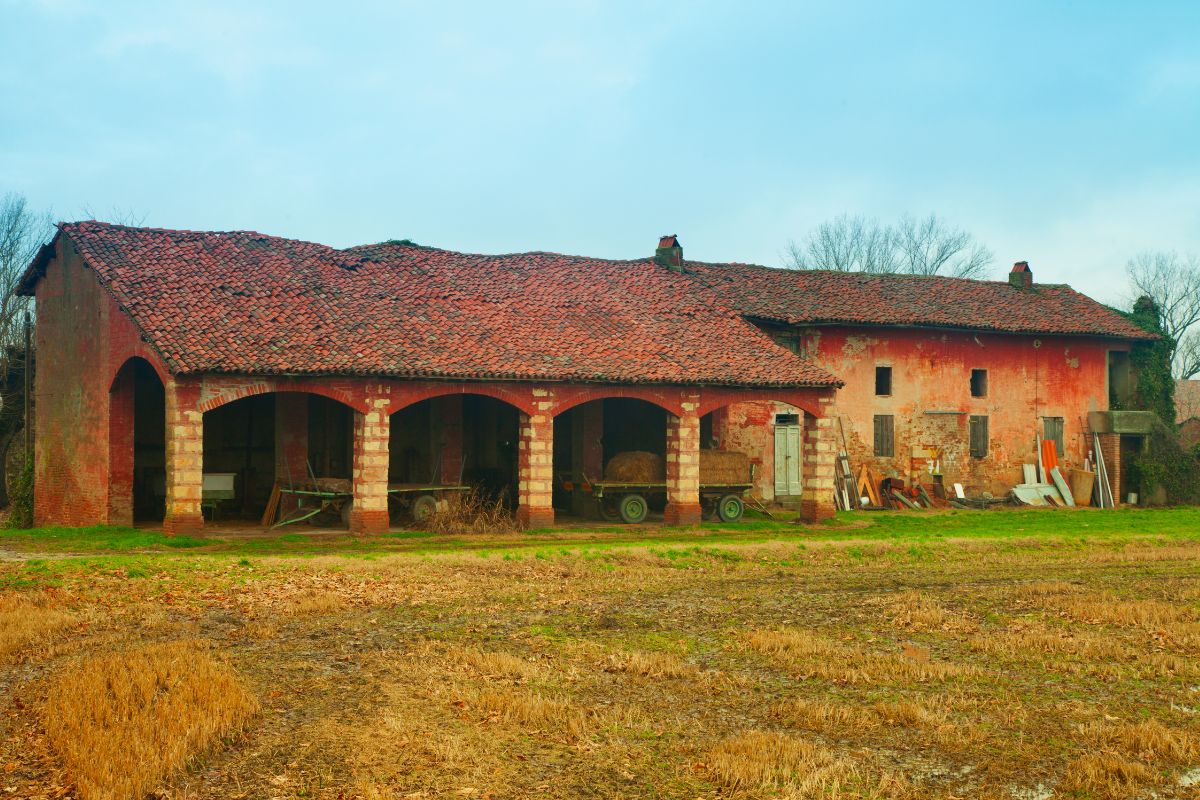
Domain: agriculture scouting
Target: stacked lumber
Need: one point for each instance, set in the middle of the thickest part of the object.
(271, 512)
(635, 466)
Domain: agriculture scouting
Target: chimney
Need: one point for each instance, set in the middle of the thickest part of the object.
(669, 253)
(1021, 275)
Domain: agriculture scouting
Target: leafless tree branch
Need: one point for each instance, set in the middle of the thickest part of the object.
(22, 232)
(927, 246)
(1172, 281)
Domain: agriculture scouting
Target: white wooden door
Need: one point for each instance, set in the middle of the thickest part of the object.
(787, 460)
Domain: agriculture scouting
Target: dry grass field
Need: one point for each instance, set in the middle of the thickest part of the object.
(1030, 661)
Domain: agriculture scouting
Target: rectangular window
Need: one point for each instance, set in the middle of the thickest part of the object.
(978, 429)
(1054, 433)
(883, 381)
(787, 419)
(979, 383)
(885, 435)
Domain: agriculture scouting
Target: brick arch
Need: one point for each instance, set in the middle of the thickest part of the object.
(808, 401)
(164, 377)
(569, 397)
(214, 393)
(405, 395)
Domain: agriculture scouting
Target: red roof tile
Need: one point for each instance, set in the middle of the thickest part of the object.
(248, 303)
(814, 297)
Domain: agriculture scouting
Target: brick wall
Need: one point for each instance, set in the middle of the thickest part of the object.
(83, 339)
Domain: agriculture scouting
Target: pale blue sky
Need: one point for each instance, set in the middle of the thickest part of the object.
(1067, 134)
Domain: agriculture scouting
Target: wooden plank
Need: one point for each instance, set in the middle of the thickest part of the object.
(896, 493)
(1062, 486)
(269, 513)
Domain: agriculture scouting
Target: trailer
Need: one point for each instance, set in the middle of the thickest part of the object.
(419, 501)
(630, 502)
(634, 479)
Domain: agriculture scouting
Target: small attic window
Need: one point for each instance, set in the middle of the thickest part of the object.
(883, 381)
(979, 383)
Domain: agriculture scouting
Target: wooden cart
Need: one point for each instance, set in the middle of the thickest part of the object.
(630, 502)
(323, 502)
(418, 500)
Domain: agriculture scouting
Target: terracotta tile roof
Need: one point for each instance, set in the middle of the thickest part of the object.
(824, 297)
(1187, 400)
(248, 303)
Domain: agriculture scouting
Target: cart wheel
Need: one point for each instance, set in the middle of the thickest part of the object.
(423, 508)
(345, 512)
(633, 508)
(608, 508)
(730, 508)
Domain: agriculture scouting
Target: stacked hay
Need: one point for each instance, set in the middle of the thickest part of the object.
(340, 485)
(723, 467)
(635, 466)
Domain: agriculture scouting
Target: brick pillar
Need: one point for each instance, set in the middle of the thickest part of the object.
(535, 465)
(683, 468)
(449, 411)
(185, 458)
(817, 470)
(120, 448)
(369, 476)
(587, 451)
(1110, 446)
(291, 437)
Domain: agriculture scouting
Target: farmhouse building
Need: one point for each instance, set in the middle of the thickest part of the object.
(166, 356)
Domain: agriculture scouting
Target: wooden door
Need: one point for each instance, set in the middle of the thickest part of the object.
(787, 460)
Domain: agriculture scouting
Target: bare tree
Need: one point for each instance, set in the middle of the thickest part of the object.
(846, 244)
(1172, 281)
(22, 232)
(928, 246)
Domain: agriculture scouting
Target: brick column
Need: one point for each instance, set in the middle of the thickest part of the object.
(291, 437)
(120, 449)
(369, 474)
(587, 452)
(683, 467)
(535, 465)
(185, 458)
(1110, 446)
(817, 469)
(449, 412)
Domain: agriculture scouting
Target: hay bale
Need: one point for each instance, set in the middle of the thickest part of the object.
(636, 466)
(719, 467)
(341, 485)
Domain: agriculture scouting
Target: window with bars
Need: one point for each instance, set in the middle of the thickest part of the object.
(977, 428)
(885, 435)
(1054, 433)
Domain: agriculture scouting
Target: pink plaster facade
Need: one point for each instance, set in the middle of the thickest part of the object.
(1029, 379)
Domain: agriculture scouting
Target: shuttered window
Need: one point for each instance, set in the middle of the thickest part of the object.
(885, 435)
(1054, 433)
(978, 429)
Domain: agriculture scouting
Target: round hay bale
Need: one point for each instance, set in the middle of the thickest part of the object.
(636, 466)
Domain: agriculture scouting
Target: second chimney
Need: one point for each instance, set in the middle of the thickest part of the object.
(1021, 275)
(669, 253)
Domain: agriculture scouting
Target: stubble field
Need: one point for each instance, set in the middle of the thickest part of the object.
(1044, 653)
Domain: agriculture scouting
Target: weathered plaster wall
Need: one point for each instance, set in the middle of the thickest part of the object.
(1029, 378)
